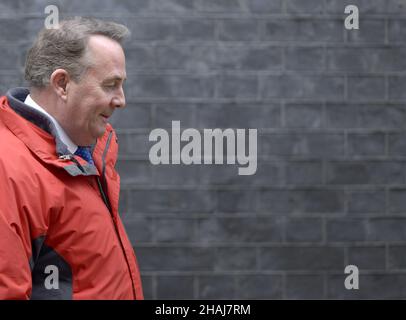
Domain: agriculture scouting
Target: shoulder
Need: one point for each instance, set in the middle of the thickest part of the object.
(15, 157)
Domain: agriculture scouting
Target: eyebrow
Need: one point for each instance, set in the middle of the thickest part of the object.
(115, 78)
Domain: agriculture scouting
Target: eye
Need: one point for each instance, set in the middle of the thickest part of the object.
(110, 85)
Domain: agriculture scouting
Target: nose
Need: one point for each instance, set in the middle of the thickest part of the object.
(118, 100)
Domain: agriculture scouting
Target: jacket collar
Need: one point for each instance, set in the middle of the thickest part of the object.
(16, 97)
(39, 134)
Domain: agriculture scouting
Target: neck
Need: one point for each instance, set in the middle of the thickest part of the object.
(45, 98)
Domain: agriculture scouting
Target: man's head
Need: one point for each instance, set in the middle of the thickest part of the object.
(76, 73)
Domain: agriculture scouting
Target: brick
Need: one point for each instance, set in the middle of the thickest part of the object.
(148, 287)
(174, 230)
(303, 87)
(38, 6)
(224, 6)
(361, 172)
(175, 175)
(124, 7)
(89, 7)
(138, 86)
(396, 30)
(174, 6)
(396, 257)
(371, 286)
(305, 144)
(370, 31)
(302, 201)
(10, 6)
(267, 174)
(302, 258)
(243, 116)
(217, 287)
(366, 201)
(165, 86)
(304, 173)
(123, 203)
(196, 29)
(32, 28)
(23, 47)
(373, 59)
(168, 30)
(235, 259)
(396, 87)
(132, 117)
(238, 30)
(135, 172)
(259, 287)
(175, 287)
(346, 230)
(265, 6)
(372, 144)
(167, 112)
(397, 200)
(248, 57)
(367, 258)
(175, 259)
(387, 229)
(226, 230)
(237, 86)
(312, 6)
(10, 30)
(153, 29)
(138, 144)
(397, 144)
(8, 81)
(10, 59)
(190, 58)
(230, 201)
(123, 144)
(366, 88)
(304, 58)
(139, 57)
(309, 286)
(364, 6)
(193, 86)
(396, 7)
(139, 229)
(171, 201)
(305, 30)
(342, 116)
(304, 230)
(304, 115)
(217, 175)
(371, 116)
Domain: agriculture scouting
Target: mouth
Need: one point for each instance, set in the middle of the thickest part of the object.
(105, 117)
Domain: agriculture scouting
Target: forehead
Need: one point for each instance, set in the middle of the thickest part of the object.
(106, 57)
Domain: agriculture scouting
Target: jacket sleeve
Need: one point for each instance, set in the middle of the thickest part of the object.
(15, 272)
(15, 240)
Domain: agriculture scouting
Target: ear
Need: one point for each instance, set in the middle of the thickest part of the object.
(59, 81)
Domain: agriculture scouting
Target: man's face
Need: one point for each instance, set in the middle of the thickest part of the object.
(92, 100)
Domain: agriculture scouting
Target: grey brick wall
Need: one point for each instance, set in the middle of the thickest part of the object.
(329, 106)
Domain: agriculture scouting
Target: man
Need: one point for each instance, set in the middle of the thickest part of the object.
(61, 236)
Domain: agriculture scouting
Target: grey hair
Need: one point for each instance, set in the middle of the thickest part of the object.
(65, 47)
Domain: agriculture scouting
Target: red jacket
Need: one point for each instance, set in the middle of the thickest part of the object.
(59, 221)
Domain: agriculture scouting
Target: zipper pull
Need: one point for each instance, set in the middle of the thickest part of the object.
(66, 157)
